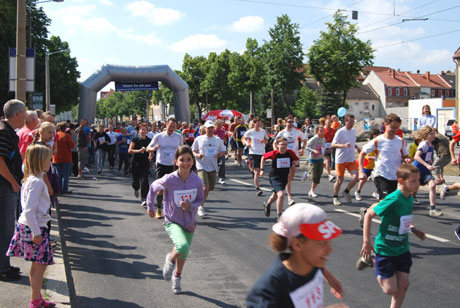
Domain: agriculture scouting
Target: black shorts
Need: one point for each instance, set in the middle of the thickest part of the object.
(384, 186)
(162, 170)
(387, 266)
(278, 183)
(255, 160)
(239, 145)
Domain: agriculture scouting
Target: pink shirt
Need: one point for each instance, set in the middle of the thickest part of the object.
(25, 138)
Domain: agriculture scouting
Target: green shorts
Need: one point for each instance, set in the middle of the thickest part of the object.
(181, 239)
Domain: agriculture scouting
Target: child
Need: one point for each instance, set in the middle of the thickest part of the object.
(368, 166)
(183, 193)
(283, 160)
(316, 146)
(31, 237)
(423, 160)
(295, 279)
(393, 259)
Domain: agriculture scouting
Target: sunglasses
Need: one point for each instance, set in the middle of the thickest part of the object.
(290, 121)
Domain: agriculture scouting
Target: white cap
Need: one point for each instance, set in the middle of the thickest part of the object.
(209, 123)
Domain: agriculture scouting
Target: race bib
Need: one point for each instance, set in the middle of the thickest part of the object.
(283, 163)
(310, 295)
(328, 145)
(291, 146)
(168, 154)
(190, 135)
(242, 133)
(210, 151)
(429, 156)
(101, 139)
(184, 195)
(323, 150)
(128, 141)
(404, 224)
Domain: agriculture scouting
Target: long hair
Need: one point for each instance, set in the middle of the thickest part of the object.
(185, 149)
(35, 160)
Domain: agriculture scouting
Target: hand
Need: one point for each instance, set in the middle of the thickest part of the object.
(15, 187)
(261, 174)
(367, 249)
(362, 175)
(37, 239)
(300, 152)
(199, 156)
(431, 168)
(420, 234)
(454, 162)
(151, 213)
(185, 205)
(142, 150)
(336, 287)
(156, 147)
(317, 152)
(347, 145)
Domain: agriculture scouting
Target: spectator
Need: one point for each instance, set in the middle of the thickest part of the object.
(82, 145)
(427, 119)
(25, 133)
(62, 159)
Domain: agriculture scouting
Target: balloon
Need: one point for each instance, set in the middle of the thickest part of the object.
(341, 111)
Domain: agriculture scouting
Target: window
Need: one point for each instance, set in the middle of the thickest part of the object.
(373, 107)
(405, 92)
(397, 91)
(433, 93)
(389, 91)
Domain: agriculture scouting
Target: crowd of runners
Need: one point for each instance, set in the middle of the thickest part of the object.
(186, 160)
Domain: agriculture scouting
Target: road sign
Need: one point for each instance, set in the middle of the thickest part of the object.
(37, 101)
(136, 86)
(30, 70)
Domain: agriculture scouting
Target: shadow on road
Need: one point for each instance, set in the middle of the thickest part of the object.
(82, 301)
(220, 222)
(208, 299)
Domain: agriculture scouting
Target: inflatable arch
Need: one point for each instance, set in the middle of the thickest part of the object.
(121, 73)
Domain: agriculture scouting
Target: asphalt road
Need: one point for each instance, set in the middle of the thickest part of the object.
(115, 252)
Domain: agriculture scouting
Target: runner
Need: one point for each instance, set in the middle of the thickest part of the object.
(283, 161)
(345, 143)
(295, 278)
(329, 134)
(189, 135)
(206, 149)
(368, 166)
(232, 138)
(165, 144)
(294, 138)
(256, 139)
(220, 132)
(123, 146)
(240, 130)
(316, 147)
(111, 146)
(101, 139)
(184, 194)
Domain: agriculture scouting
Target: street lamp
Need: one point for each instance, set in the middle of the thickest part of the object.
(47, 76)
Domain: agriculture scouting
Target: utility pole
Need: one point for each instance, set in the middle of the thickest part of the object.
(272, 98)
(21, 51)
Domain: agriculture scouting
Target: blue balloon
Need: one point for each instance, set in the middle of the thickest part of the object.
(341, 111)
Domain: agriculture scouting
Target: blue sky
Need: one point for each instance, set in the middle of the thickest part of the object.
(161, 32)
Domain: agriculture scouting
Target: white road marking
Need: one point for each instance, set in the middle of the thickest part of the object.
(433, 237)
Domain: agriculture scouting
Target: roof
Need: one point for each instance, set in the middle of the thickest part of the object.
(363, 92)
(400, 79)
(429, 81)
(450, 78)
(457, 54)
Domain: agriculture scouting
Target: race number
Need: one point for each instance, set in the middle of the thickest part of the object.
(184, 195)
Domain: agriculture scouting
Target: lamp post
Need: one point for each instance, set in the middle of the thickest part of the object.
(47, 76)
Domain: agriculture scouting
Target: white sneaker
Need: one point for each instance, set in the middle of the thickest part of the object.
(176, 284)
(312, 194)
(443, 193)
(201, 211)
(144, 204)
(347, 196)
(336, 201)
(85, 170)
(221, 181)
(416, 202)
(291, 202)
(375, 195)
(436, 212)
(358, 196)
(136, 193)
(331, 178)
(168, 267)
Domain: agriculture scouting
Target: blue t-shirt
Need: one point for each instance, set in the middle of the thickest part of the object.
(427, 156)
(123, 147)
(87, 130)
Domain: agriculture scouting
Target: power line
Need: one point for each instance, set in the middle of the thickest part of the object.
(322, 18)
(416, 39)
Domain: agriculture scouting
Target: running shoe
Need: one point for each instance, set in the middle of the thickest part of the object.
(443, 192)
(291, 201)
(168, 267)
(331, 178)
(144, 204)
(201, 211)
(358, 196)
(259, 191)
(347, 196)
(363, 263)
(312, 194)
(136, 193)
(304, 176)
(176, 283)
(85, 170)
(457, 232)
(221, 181)
(436, 213)
(375, 195)
(267, 209)
(336, 201)
(362, 213)
(416, 202)
(158, 214)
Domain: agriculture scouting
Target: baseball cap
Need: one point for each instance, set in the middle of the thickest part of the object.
(306, 219)
(209, 123)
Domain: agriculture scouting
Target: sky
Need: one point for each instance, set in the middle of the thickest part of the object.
(125, 32)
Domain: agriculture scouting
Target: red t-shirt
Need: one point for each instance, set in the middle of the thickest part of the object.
(329, 134)
(189, 134)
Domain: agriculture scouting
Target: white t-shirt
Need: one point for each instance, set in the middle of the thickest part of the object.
(113, 137)
(210, 147)
(151, 134)
(293, 138)
(389, 155)
(168, 147)
(343, 136)
(256, 141)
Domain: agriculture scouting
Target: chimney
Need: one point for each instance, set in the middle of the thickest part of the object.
(418, 71)
(442, 73)
(393, 74)
(427, 75)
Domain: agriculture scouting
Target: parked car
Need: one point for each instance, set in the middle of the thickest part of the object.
(448, 129)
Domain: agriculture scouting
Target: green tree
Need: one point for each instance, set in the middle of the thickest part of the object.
(194, 70)
(283, 59)
(337, 58)
(306, 103)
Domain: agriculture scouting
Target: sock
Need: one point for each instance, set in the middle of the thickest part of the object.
(176, 274)
(346, 190)
(432, 207)
(336, 196)
(359, 191)
(257, 188)
(159, 201)
(447, 188)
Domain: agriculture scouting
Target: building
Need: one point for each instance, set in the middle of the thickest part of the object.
(363, 103)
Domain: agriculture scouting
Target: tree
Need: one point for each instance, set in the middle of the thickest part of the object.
(306, 103)
(194, 70)
(283, 59)
(337, 58)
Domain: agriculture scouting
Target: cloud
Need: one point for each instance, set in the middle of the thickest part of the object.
(106, 2)
(155, 15)
(199, 42)
(248, 24)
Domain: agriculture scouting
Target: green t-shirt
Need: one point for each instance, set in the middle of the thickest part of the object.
(396, 216)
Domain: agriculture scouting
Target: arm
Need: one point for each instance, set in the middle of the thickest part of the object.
(262, 164)
(5, 172)
(334, 283)
(362, 175)
(155, 187)
(418, 233)
(452, 151)
(32, 196)
(153, 145)
(419, 159)
(133, 151)
(367, 248)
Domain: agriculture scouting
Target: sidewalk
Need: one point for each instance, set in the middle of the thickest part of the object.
(17, 293)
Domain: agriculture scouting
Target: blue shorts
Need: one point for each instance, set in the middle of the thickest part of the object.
(425, 177)
(278, 183)
(367, 172)
(386, 266)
